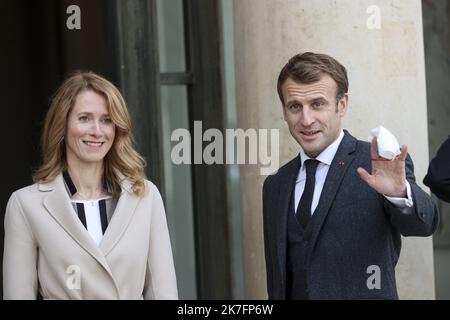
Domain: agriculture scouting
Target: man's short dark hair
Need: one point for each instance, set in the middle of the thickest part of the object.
(309, 67)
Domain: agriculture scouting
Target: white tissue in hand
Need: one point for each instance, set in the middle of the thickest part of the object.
(388, 146)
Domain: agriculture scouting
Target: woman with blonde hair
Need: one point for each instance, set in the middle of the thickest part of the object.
(91, 226)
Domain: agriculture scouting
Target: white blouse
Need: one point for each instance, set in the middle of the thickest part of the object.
(92, 217)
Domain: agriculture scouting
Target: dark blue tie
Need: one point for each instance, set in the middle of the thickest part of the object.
(304, 207)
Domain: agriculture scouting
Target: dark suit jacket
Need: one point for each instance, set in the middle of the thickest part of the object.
(438, 176)
(355, 228)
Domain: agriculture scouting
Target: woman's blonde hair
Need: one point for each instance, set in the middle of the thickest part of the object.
(121, 161)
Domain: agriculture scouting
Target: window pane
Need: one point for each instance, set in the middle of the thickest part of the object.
(178, 184)
(233, 178)
(171, 35)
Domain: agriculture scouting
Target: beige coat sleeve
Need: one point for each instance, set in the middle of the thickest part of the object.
(160, 279)
(20, 255)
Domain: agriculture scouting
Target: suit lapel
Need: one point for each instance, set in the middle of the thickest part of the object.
(60, 208)
(339, 166)
(286, 187)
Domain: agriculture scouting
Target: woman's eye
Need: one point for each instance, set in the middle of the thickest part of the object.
(83, 118)
(107, 120)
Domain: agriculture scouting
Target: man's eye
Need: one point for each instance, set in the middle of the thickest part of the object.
(294, 106)
(318, 104)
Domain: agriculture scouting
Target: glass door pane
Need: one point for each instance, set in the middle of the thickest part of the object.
(178, 190)
(172, 56)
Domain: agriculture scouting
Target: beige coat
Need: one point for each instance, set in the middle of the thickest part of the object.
(47, 248)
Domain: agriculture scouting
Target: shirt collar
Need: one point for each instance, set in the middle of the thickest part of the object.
(70, 186)
(327, 155)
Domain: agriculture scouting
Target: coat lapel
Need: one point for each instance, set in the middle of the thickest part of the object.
(60, 208)
(125, 209)
(58, 205)
(339, 166)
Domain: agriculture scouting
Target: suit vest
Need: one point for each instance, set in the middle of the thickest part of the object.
(297, 247)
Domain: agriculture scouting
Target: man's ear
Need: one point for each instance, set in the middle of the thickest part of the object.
(342, 105)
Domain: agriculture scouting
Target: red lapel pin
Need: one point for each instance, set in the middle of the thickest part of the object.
(341, 163)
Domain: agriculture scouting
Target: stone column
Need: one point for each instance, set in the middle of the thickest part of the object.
(385, 62)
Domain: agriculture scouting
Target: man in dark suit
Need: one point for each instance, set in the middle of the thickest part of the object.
(438, 176)
(331, 229)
